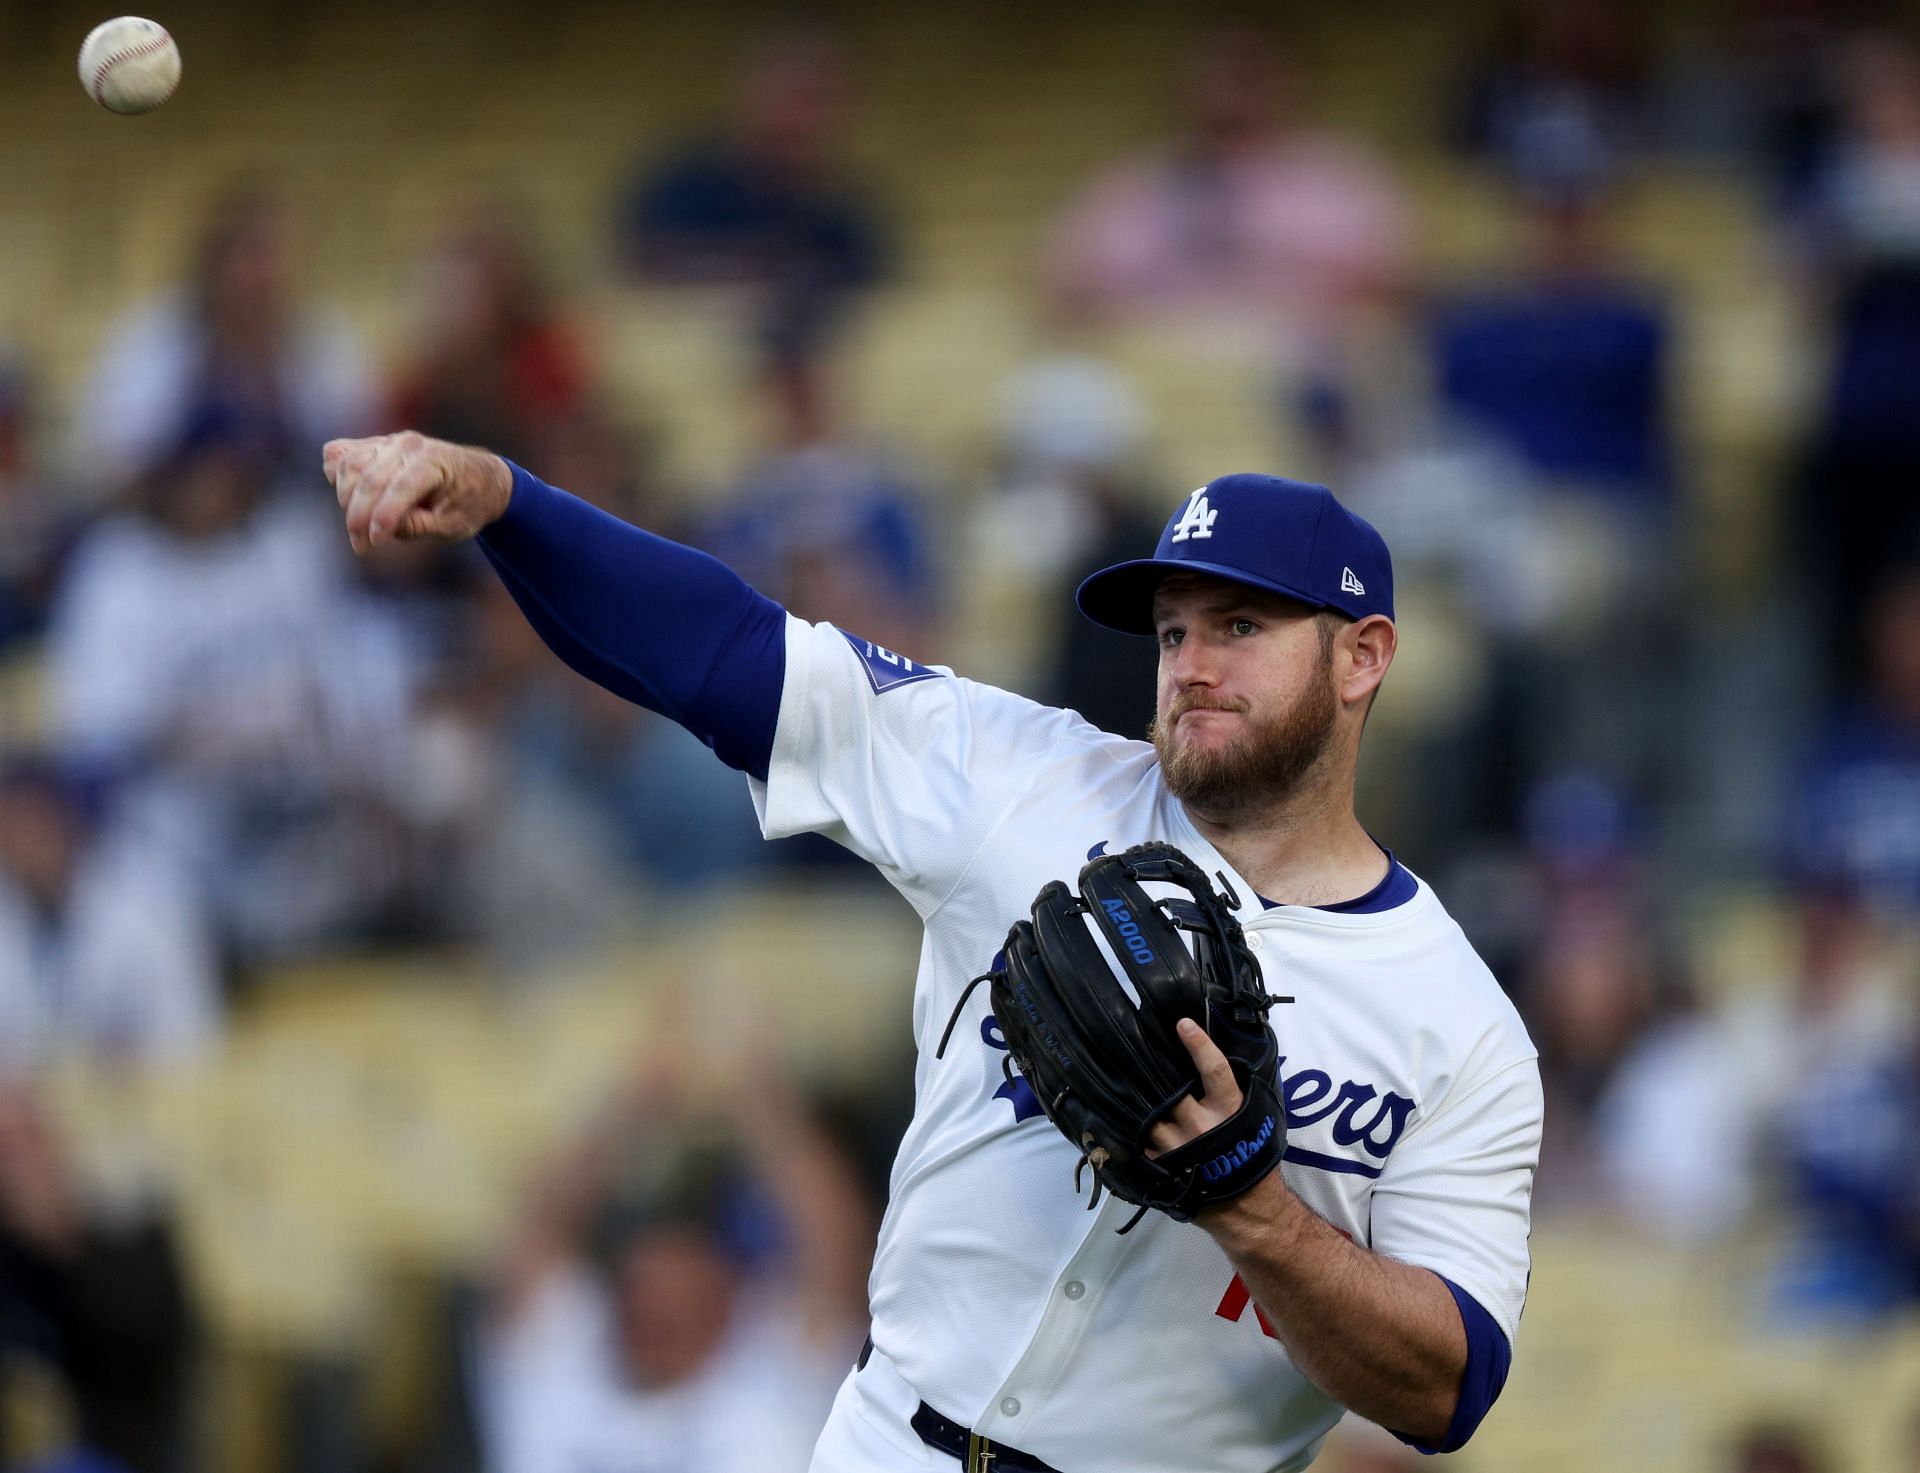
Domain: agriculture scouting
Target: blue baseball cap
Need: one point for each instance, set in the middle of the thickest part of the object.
(1288, 537)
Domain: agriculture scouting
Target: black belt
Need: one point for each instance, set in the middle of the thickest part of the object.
(977, 1454)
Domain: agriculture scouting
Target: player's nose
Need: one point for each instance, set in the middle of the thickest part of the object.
(1191, 663)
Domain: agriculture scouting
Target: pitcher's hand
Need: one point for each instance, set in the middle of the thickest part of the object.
(1195, 1117)
(406, 486)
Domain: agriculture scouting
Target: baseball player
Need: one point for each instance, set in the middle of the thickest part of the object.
(1382, 1267)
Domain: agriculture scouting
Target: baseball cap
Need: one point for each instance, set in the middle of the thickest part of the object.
(1289, 537)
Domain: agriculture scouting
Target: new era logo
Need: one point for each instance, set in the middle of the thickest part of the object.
(1351, 584)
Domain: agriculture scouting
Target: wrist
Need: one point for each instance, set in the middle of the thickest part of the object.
(498, 479)
(1265, 1219)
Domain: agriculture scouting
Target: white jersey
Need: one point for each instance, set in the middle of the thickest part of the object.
(1412, 1093)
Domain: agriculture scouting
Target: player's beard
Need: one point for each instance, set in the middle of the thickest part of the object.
(1263, 766)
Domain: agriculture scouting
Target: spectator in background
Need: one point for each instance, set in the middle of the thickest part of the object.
(1063, 506)
(685, 1295)
(1801, 1087)
(825, 525)
(102, 947)
(1852, 1177)
(1588, 991)
(97, 1292)
(764, 202)
(1564, 364)
(237, 332)
(207, 654)
(1565, 65)
(1857, 819)
(1836, 1067)
(495, 359)
(1565, 357)
(1664, 1130)
(1826, 1075)
(1674, 1137)
(1246, 218)
(1652, 1116)
(1857, 511)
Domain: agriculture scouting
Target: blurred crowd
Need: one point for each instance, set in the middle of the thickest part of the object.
(247, 748)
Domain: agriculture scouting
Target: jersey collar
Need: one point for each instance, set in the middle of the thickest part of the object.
(1398, 887)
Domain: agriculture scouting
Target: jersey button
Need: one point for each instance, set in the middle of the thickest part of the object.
(1009, 1406)
(1074, 1289)
(1254, 943)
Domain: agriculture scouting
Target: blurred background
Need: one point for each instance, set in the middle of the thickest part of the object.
(411, 1058)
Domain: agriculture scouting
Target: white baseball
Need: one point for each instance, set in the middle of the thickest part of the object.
(129, 65)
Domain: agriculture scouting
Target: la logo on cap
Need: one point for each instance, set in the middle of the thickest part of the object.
(1351, 584)
(1197, 520)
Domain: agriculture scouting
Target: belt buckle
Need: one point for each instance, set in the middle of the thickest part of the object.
(980, 1454)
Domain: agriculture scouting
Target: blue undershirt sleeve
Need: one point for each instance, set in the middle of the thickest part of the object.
(660, 624)
(1489, 1357)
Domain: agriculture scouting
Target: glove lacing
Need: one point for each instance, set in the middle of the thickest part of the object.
(954, 1017)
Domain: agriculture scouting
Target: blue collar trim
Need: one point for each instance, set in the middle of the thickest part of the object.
(1397, 888)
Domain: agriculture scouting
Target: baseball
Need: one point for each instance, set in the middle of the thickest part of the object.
(129, 65)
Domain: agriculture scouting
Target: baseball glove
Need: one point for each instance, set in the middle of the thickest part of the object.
(1102, 1057)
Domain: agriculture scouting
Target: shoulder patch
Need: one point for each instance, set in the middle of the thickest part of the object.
(886, 670)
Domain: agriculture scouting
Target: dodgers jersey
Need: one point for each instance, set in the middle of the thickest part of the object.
(1412, 1096)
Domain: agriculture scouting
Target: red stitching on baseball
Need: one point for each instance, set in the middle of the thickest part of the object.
(158, 43)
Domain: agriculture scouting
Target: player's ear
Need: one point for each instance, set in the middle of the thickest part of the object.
(1370, 644)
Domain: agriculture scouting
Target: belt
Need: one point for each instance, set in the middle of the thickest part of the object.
(977, 1454)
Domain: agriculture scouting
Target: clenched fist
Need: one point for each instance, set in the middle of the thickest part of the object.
(406, 486)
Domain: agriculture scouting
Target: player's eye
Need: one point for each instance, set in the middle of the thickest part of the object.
(1170, 637)
(1244, 626)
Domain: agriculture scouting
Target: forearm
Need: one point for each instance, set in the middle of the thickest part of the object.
(1382, 1338)
(662, 625)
